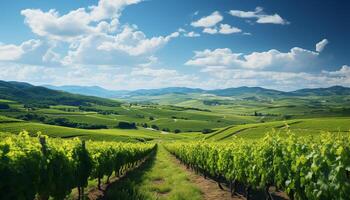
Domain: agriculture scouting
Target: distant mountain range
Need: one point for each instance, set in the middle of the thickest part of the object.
(229, 92)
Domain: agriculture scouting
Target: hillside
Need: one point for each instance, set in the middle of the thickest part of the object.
(184, 91)
(334, 90)
(29, 94)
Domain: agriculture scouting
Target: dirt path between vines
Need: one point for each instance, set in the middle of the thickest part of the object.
(209, 188)
(211, 191)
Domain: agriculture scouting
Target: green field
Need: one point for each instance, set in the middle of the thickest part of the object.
(302, 127)
(195, 117)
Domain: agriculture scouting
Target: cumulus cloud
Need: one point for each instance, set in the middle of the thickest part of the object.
(152, 77)
(109, 9)
(93, 35)
(51, 25)
(223, 29)
(161, 73)
(77, 23)
(260, 16)
(135, 43)
(210, 30)
(11, 52)
(223, 77)
(321, 45)
(227, 29)
(192, 34)
(294, 60)
(208, 21)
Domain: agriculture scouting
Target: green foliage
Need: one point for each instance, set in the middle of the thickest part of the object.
(126, 125)
(4, 106)
(177, 131)
(206, 131)
(155, 127)
(306, 168)
(53, 167)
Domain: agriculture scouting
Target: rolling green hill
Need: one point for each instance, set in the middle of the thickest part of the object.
(301, 127)
(28, 94)
(183, 91)
(247, 112)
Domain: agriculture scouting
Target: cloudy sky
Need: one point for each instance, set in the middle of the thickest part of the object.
(132, 44)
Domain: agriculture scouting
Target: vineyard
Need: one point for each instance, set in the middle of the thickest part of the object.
(44, 167)
(304, 168)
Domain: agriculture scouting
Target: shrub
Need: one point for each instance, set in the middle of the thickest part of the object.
(4, 106)
(166, 129)
(207, 130)
(155, 127)
(126, 125)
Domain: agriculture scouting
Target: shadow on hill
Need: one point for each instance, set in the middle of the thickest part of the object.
(127, 187)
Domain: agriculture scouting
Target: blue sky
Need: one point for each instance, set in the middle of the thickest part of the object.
(132, 44)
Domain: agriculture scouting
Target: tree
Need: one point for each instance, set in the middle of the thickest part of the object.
(207, 130)
(155, 127)
(166, 129)
(177, 131)
(4, 106)
(126, 125)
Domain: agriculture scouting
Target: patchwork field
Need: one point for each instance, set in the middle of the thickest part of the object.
(194, 137)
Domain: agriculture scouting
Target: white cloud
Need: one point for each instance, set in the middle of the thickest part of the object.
(151, 77)
(210, 30)
(109, 9)
(192, 34)
(77, 23)
(135, 42)
(321, 45)
(152, 60)
(227, 29)
(128, 47)
(271, 19)
(11, 52)
(94, 35)
(51, 25)
(344, 71)
(294, 60)
(181, 30)
(260, 16)
(208, 21)
(223, 77)
(151, 72)
(223, 29)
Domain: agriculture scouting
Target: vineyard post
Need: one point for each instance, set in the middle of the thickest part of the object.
(42, 141)
(248, 190)
(82, 187)
(267, 193)
(232, 187)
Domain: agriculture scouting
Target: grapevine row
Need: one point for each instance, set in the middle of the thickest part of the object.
(305, 168)
(46, 168)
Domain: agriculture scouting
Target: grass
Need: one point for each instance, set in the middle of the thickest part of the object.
(4, 119)
(63, 132)
(15, 126)
(302, 127)
(159, 179)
